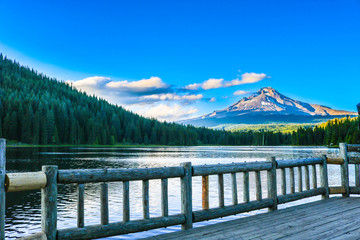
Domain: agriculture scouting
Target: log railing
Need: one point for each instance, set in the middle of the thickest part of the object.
(297, 180)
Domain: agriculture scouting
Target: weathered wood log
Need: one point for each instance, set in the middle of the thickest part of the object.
(229, 168)
(212, 213)
(354, 159)
(126, 201)
(234, 189)
(292, 180)
(344, 169)
(300, 188)
(324, 178)
(145, 199)
(258, 185)
(186, 196)
(337, 190)
(300, 195)
(298, 162)
(17, 182)
(283, 181)
(353, 148)
(205, 192)
(118, 228)
(307, 178)
(271, 183)
(246, 186)
(357, 175)
(113, 175)
(49, 203)
(354, 190)
(314, 176)
(2, 186)
(104, 204)
(164, 198)
(337, 161)
(36, 236)
(221, 190)
(80, 206)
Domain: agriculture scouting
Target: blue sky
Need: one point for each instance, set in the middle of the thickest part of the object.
(143, 54)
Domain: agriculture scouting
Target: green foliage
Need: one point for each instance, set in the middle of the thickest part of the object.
(275, 127)
(36, 109)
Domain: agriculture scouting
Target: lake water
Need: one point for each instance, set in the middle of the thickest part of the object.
(23, 214)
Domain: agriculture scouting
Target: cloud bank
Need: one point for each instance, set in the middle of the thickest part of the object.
(213, 83)
(152, 97)
(149, 97)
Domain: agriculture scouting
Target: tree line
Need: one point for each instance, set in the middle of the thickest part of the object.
(36, 109)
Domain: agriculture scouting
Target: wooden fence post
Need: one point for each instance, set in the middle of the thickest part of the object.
(49, 203)
(186, 196)
(80, 206)
(344, 169)
(104, 203)
(205, 192)
(324, 178)
(2, 186)
(271, 183)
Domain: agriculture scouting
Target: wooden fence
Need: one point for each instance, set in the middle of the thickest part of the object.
(48, 179)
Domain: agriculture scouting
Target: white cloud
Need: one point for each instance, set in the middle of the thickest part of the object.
(91, 85)
(138, 86)
(194, 86)
(212, 83)
(240, 92)
(171, 112)
(247, 78)
(90, 81)
(172, 96)
(252, 77)
(212, 99)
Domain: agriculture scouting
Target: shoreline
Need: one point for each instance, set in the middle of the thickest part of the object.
(20, 145)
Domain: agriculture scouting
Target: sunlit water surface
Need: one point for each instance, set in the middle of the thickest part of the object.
(23, 210)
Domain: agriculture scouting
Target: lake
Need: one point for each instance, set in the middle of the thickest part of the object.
(23, 213)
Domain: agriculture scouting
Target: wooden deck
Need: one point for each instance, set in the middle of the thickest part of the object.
(334, 218)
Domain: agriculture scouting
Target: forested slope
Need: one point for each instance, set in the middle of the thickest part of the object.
(36, 109)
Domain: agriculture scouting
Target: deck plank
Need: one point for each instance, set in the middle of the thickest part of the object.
(325, 219)
(285, 213)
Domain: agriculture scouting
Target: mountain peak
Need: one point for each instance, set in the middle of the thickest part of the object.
(268, 91)
(269, 103)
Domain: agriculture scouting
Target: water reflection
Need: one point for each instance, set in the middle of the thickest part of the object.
(23, 209)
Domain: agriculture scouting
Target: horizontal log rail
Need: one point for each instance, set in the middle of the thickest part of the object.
(204, 170)
(17, 182)
(117, 175)
(354, 190)
(202, 215)
(300, 195)
(297, 175)
(336, 161)
(298, 162)
(118, 228)
(337, 190)
(353, 148)
(354, 160)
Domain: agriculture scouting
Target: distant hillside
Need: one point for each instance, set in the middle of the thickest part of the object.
(267, 106)
(36, 109)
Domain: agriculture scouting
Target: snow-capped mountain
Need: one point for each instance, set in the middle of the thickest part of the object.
(268, 106)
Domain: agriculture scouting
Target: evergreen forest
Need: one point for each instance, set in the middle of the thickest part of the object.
(36, 109)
